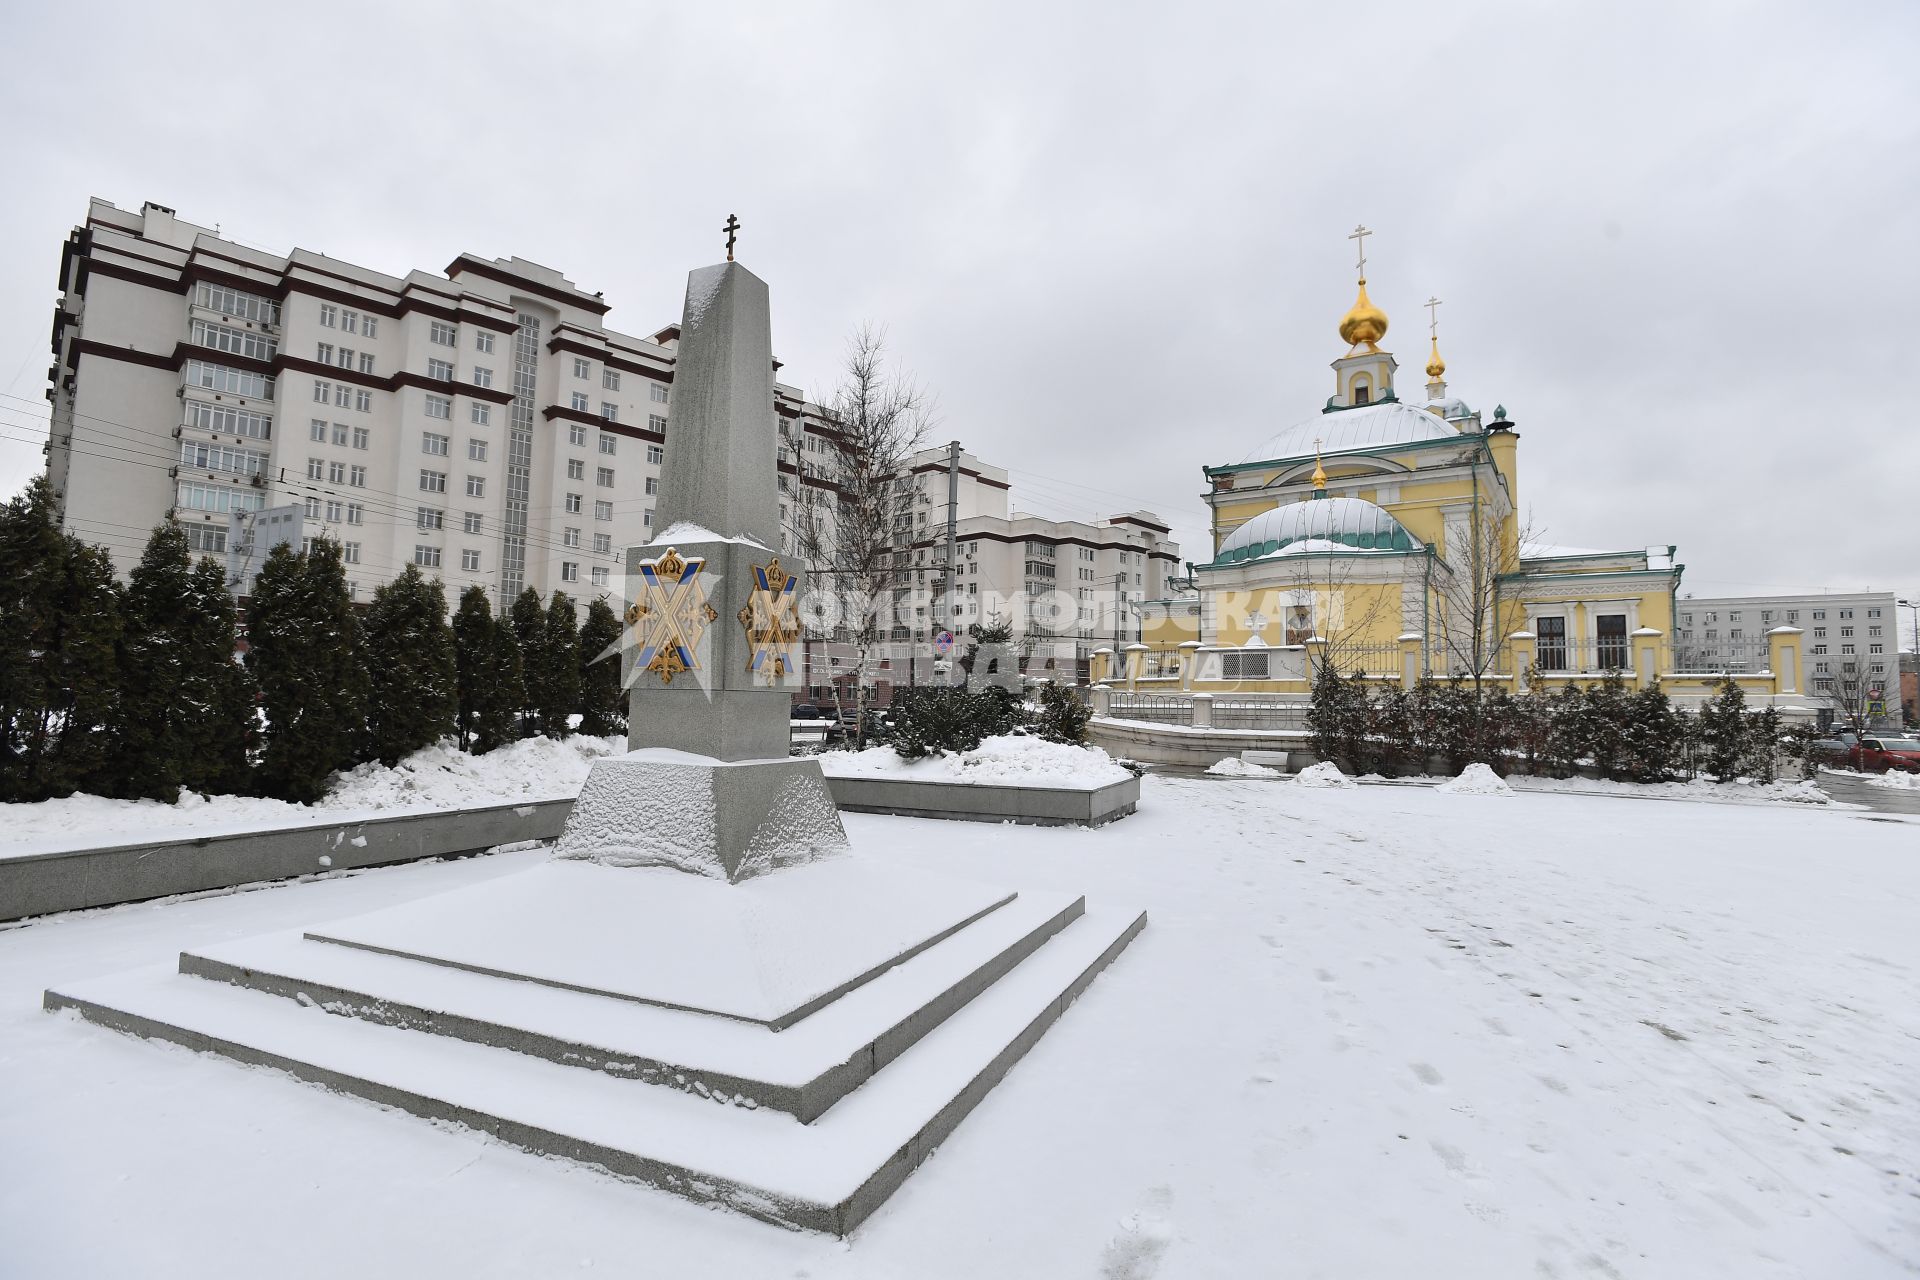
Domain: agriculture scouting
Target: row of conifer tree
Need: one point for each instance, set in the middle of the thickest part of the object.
(136, 691)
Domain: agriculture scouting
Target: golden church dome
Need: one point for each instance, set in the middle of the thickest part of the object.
(1436, 367)
(1364, 323)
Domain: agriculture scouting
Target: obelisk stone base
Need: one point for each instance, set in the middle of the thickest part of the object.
(732, 822)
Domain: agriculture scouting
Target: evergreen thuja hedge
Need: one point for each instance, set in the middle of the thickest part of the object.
(1623, 734)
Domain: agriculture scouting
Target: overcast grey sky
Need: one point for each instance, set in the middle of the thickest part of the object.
(1676, 240)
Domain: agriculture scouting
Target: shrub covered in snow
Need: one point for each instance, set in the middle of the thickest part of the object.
(1324, 774)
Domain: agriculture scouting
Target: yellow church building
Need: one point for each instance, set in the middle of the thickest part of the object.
(1386, 536)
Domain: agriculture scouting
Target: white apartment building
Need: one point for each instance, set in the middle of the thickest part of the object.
(1845, 633)
(483, 423)
(1067, 585)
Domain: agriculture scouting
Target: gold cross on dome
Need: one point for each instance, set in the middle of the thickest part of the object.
(732, 229)
(1360, 234)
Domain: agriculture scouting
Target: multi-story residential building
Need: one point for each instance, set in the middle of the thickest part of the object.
(1845, 635)
(483, 423)
(1066, 587)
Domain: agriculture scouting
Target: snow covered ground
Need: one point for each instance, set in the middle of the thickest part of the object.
(1008, 761)
(1371, 1031)
(439, 777)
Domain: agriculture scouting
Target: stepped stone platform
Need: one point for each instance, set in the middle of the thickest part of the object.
(863, 1011)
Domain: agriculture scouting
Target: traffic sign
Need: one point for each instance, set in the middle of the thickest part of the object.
(943, 643)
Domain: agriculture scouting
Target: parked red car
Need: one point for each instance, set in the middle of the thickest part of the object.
(1877, 755)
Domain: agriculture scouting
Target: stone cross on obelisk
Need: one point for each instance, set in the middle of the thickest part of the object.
(713, 629)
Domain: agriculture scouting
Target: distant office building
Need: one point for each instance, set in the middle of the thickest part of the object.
(1846, 635)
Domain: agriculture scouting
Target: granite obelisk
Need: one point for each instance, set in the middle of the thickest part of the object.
(713, 630)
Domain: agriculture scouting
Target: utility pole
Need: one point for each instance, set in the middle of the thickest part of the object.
(953, 512)
(1119, 598)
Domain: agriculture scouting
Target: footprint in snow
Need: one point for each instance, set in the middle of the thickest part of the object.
(1427, 1074)
(1136, 1252)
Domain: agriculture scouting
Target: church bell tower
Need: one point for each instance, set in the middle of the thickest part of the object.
(1362, 377)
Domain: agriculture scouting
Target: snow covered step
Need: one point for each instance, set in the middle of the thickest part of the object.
(754, 951)
(803, 1070)
(827, 1176)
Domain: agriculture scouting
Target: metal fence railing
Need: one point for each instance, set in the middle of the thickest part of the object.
(1154, 707)
(1249, 713)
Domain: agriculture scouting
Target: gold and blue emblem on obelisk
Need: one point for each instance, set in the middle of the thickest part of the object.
(771, 617)
(670, 615)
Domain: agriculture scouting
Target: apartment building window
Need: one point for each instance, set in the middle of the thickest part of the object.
(356, 514)
(1846, 632)
(657, 422)
(480, 415)
(610, 379)
(439, 407)
(607, 440)
(1766, 616)
(470, 559)
(572, 504)
(656, 455)
(600, 576)
(368, 326)
(653, 485)
(602, 542)
(483, 342)
(1819, 633)
(336, 473)
(477, 450)
(1819, 648)
(233, 302)
(646, 517)
(435, 444)
(610, 411)
(340, 433)
(433, 481)
(576, 434)
(350, 552)
(658, 392)
(1819, 615)
(603, 476)
(237, 342)
(569, 537)
(1873, 613)
(366, 362)
(208, 497)
(318, 431)
(569, 571)
(482, 376)
(582, 368)
(218, 377)
(313, 508)
(1876, 648)
(203, 455)
(1793, 616)
(1845, 650)
(1846, 614)
(324, 352)
(1734, 616)
(357, 477)
(362, 437)
(1873, 631)
(602, 510)
(329, 315)
(316, 468)
(350, 321)
(426, 557)
(579, 403)
(443, 335)
(429, 518)
(363, 401)
(1733, 633)
(221, 420)
(576, 469)
(333, 510)
(206, 537)
(476, 486)
(440, 370)
(470, 522)
(342, 395)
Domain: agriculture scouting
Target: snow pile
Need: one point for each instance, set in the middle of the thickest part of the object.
(1894, 781)
(437, 777)
(1477, 779)
(1005, 761)
(1235, 767)
(1324, 774)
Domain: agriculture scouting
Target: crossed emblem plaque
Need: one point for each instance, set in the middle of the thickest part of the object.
(671, 614)
(772, 621)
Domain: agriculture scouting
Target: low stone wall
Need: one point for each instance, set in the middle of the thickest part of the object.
(1180, 745)
(978, 802)
(36, 884)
